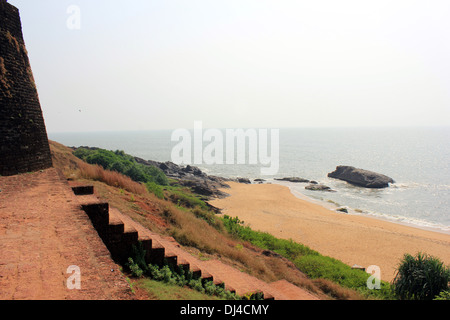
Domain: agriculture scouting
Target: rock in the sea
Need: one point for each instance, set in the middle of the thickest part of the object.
(293, 179)
(361, 177)
(318, 187)
(259, 181)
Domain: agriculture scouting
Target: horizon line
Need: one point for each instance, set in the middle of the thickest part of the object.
(288, 127)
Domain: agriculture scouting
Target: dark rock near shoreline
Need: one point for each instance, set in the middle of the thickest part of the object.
(259, 181)
(192, 177)
(244, 180)
(319, 187)
(361, 177)
(293, 179)
(193, 170)
(203, 188)
(189, 176)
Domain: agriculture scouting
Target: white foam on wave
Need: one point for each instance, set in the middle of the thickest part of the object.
(332, 205)
(408, 221)
(416, 185)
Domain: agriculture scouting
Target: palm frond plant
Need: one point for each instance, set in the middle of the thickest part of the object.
(420, 277)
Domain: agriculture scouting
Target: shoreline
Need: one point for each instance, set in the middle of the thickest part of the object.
(351, 238)
(422, 225)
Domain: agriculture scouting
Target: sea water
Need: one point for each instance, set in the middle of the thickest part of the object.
(418, 159)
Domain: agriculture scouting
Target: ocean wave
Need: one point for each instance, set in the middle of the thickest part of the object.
(400, 219)
(339, 203)
(416, 185)
(409, 221)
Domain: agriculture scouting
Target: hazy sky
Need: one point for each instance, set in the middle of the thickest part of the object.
(142, 65)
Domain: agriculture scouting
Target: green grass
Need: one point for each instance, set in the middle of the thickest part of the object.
(313, 264)
(287, 248)
(123, 163)
(173, 276)
(159, 290)
(154, 178)
(156, 189)
(183, 197)
(186, 200)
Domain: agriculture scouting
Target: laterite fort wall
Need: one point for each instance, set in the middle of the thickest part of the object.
(23, 137)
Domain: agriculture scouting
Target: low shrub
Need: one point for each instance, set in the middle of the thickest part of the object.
(112, 178)
(421, 277)
(180, 278)
(323, 267)
(444, 295)
(123, 163)
(184, 198)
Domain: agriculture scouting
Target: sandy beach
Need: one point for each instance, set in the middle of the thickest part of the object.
(353, 239)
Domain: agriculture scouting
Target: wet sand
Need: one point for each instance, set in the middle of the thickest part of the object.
(353, 239)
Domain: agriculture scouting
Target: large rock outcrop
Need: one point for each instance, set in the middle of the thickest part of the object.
(361, 177)
(192, 177)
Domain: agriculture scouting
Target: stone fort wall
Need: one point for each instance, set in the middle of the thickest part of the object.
(24, 143)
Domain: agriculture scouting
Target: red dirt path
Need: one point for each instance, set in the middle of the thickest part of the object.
(42, 233)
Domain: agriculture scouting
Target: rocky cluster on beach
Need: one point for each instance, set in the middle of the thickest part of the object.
(358, 177)
(312, 185)
(189, 176)
(211, 186)
(192, 177)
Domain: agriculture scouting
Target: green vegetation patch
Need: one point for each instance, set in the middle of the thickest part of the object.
(125, 164)
(184, 198)
(175, 276)
(163, 291)
(308, 261)
(287, 248)
(422, 277)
